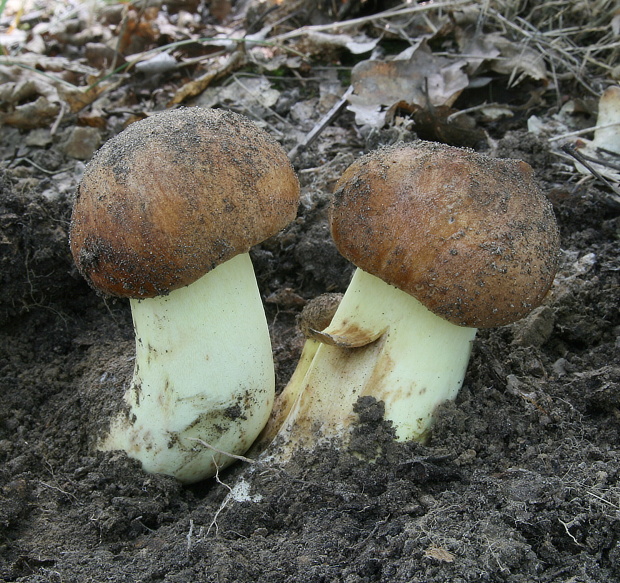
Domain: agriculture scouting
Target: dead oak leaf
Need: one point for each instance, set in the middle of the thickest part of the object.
(77, 98)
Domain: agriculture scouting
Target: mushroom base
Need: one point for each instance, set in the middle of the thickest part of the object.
(381, 343)
(203, 375)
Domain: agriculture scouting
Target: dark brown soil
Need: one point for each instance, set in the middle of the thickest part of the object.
(520, 481)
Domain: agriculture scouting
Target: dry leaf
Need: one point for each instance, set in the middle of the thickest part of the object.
(220, 9)
(479, 49)
(35, 114)
(197, 86)
(138, 30)
(607, 134)
(439, 554)
(243, 92)
(518, 61)
(12, 38)
(439, 124)
(77, 98)
(31, 97)
(496, 53)
(101, 57)
(416, 77)
(160, 63)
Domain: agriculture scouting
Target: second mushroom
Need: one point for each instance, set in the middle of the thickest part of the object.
(445, 241)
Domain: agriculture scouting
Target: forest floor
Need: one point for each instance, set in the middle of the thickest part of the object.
(520, 480)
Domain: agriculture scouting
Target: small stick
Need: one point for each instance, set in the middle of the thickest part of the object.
(583, 131)
(584, 161)
(221, 451)
(321, 125)
(390, 13)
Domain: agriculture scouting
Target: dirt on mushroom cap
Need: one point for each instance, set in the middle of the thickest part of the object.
(175, 195)
(470, 236)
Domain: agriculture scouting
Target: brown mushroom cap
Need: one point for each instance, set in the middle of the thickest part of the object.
(176, 194)
(471, 237)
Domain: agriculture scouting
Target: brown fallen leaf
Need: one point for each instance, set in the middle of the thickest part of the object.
(494, 52)
(77, 98)
(439, 554)
(34, 114)
(138, 29)
(220, 9)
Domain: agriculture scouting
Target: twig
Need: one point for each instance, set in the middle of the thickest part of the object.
(392, 13)
(221, 451)
(58, 489)
(571, 150)
(568, 532)
(45, 170)
(226, 499)
(601, 161)
(583, 131)
(321, 125)
(190, 532)
(603, 500)
(59, 117)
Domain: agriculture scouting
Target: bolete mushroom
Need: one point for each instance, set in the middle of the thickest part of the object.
(165, 215)
(445, 241)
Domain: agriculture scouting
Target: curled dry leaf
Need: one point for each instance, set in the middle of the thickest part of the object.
(416, 76)
(518, 60)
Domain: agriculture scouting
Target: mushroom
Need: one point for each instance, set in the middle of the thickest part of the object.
(165, 215)
(445, 241)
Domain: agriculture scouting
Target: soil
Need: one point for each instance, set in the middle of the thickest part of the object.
(519, 482)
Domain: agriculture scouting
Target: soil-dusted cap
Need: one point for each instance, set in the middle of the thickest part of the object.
(176, 194)
(471, 237)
